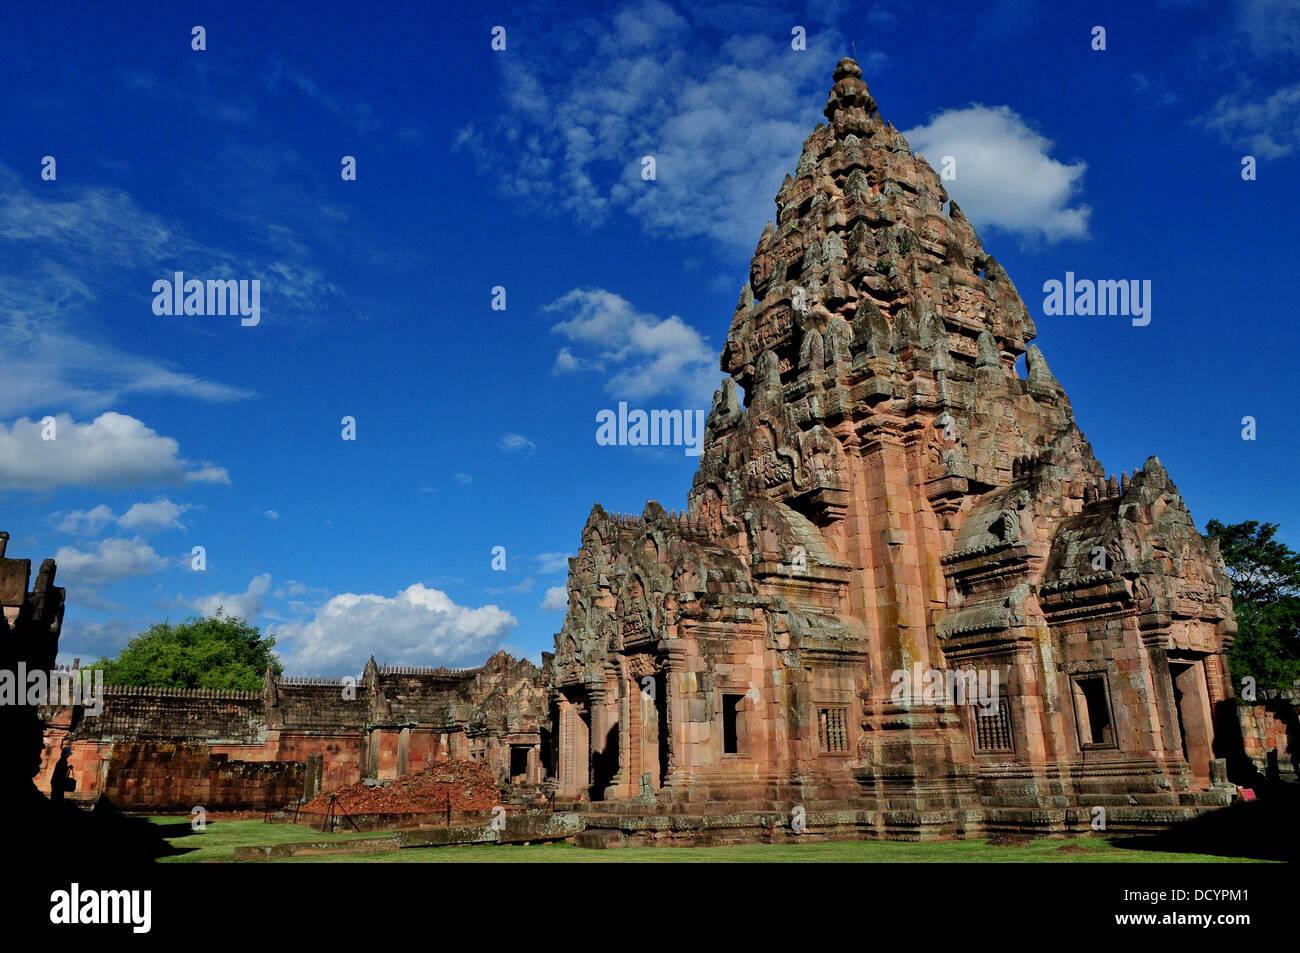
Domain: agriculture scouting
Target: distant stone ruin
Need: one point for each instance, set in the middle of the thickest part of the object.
(169, 749)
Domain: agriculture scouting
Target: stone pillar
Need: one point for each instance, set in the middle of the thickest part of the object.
(605, 730)
(674, 666)
(403, 750)
(630, 759)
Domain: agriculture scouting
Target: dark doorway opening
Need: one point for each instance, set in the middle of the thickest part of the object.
(731, 724)
(604, 764)
(519, 763)
(1092, 709)
(661, 712)
(1174, 672)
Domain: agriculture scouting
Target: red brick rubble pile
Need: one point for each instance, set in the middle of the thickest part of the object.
(471, 785)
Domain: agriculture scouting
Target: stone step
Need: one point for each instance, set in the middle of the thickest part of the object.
(600, 838)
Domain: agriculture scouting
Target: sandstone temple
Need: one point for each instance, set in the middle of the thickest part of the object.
(883, 501)
(891, 496)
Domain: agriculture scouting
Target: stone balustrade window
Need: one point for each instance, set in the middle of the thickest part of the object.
(993, 731)
(832, 730)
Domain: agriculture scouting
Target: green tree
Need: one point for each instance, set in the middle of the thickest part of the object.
(1265, 575)
(219, 651)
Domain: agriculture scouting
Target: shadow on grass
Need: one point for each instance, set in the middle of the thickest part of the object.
(1264, 829)
(58, 831)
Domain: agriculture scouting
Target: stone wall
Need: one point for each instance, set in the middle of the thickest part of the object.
(178, 714)
(1270, 733)
(171, 749)
(171, 776)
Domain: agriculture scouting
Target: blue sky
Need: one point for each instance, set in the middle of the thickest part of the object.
(521, 169)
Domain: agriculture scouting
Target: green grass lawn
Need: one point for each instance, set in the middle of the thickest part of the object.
(219, 840)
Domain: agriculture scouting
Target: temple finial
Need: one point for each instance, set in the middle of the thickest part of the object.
(847, 67)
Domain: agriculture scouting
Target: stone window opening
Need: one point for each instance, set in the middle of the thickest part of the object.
(993, 731)
(1092, 711)
(731, 727)
(832, 729)
(519, 763)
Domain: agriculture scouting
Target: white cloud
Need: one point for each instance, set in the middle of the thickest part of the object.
(69, 368)
(159, 515)
(1270, 28)
(70, 255)
(464, 479)
(246, 605)
(295, 588)
(66, 368)
(557, 599)
(65, 363)
(111, 450)
(516, 443)
(86, 522)
(112, 560)
(1004, 176)
(1266, 125)
(519, 587)
(552, 562)
(418, 626)
(644, 355)
(88, 641)
(272, 515)
(355, 112)
(724, 124)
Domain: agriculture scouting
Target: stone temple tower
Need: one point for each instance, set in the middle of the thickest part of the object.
(892, 505)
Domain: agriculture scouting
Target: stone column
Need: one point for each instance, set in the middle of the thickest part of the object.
(564, 746)
(674, 665)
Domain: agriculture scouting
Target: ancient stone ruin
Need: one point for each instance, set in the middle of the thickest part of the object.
(905, 600)
(168, 749)
(891, 506)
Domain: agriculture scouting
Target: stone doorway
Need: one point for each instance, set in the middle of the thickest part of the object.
(574, 744)
(605, 764)
(646, 767)
(519, 763)
(1192, 707)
